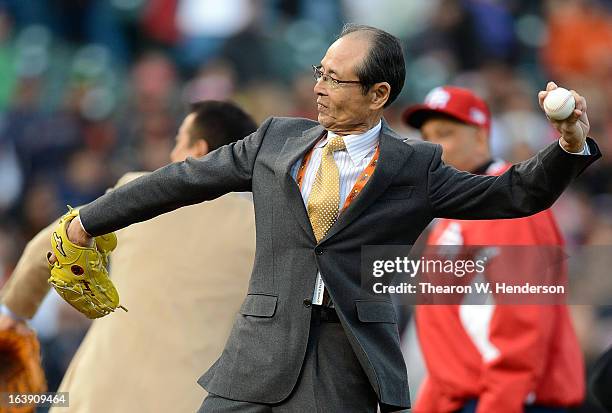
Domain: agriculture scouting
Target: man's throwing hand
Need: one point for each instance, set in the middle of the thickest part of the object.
(575, 128)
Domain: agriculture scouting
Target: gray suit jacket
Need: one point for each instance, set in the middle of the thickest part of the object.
(410, 186)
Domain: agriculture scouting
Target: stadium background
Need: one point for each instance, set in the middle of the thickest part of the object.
(90, 89)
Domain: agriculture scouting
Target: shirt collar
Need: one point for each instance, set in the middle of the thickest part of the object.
(357, 146)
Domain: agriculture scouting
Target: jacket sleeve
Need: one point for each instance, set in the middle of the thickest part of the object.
(522, 335)
(226, 169)
(27, 286)
(524, 189)
(600, 381)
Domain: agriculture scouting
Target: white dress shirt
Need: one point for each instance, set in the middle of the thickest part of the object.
(351, 163)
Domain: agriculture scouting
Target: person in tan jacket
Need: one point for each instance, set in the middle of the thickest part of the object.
(182, 298)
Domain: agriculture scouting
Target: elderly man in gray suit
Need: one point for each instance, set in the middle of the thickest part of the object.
(308, 337)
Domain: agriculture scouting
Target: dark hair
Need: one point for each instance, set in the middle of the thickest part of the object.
(219, 123)
(384, 62)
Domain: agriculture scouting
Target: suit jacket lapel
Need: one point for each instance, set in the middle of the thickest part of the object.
(393, 156)
(293, 150)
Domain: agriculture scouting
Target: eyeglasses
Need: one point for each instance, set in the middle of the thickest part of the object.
(331, 82)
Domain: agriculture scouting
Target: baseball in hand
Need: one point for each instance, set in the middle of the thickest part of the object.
(559, 104)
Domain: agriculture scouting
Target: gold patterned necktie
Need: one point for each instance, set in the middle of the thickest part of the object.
(324, 199)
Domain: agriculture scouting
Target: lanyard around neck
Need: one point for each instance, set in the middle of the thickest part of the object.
(359, 184)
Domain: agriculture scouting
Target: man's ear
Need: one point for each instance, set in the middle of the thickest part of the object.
(200, 148)
(379, 93)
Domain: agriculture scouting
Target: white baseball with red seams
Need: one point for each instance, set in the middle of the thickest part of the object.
(559, 104)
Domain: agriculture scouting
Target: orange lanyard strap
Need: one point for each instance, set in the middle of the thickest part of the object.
(359, 184)
(302, 170)
(362, 180)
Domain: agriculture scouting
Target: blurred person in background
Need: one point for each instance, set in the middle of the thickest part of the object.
(162, 344)
(11, 177)
(205, 27)
(579, 39)
(148, 115)
(493, 358)
(600, 381)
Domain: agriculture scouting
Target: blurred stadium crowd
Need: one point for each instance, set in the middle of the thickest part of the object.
(90, 89)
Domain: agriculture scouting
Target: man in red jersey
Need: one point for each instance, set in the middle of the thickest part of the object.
(490, 358)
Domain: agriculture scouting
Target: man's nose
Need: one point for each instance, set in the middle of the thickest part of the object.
(319, 87)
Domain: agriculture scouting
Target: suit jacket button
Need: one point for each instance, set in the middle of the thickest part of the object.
(307, 302)
(319, 251)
